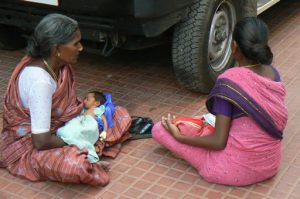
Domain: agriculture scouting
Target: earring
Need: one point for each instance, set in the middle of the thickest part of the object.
(58, 54)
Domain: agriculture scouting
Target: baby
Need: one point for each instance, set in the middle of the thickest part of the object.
(94, 106)
(83, 130)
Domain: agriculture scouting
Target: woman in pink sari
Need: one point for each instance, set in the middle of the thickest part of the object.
(248, 102)
(39, 99)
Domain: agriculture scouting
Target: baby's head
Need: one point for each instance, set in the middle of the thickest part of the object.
(93, 99)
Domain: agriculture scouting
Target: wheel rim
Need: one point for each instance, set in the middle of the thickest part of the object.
(219, 44)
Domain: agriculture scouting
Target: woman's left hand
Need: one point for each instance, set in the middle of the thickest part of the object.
(170, 127)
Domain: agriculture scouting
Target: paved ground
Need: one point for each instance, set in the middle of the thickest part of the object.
(144, 83)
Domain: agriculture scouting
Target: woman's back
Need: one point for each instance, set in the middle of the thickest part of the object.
(250, 156)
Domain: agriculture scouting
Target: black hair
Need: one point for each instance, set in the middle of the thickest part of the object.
(52, 30)
(99, 97)
(251, 35)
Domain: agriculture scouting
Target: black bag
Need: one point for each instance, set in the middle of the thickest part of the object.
(141, 127)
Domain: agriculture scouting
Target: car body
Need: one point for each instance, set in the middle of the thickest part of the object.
(200, 30)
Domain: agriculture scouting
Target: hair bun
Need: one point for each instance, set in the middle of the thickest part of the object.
(251, 35)
(261, 53)
(35, 42)
(33, 47)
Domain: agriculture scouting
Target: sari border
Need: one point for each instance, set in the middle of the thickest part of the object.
(230, 91)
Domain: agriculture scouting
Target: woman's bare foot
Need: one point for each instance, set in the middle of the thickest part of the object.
(104, 164)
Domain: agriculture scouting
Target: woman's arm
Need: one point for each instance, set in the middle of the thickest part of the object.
(40, 107)
(216, 141)
(43, 141)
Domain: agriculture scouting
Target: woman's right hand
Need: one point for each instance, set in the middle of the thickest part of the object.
(48, 140)
(215, 141)
(170, 127)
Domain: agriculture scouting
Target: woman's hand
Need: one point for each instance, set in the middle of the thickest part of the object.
(170, 127)
(215, 141)
(48, 140)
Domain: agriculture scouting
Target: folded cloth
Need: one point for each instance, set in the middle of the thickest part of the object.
(210, 119)
(195, 126)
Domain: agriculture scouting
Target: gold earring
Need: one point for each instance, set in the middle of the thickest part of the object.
(58, 54)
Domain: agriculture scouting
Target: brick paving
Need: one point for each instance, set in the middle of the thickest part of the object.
(144, 83)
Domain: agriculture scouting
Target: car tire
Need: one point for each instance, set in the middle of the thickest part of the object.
(202, 43)
(11, 38)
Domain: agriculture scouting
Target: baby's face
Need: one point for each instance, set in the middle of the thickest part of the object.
(89, 101)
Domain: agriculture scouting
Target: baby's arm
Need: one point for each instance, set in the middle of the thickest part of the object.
(103, 133)
(104, 122)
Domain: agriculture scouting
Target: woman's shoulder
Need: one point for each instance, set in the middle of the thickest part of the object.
(33, 70)
(35, 74)
(243, 73)
(234, 72)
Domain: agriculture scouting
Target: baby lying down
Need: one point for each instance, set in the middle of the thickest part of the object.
(91, 125)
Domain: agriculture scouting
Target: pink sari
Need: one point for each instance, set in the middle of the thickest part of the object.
(253, 151)
(67, 164)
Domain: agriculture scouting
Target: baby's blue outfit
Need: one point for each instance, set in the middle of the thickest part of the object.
(83, 132)
(109, 112)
